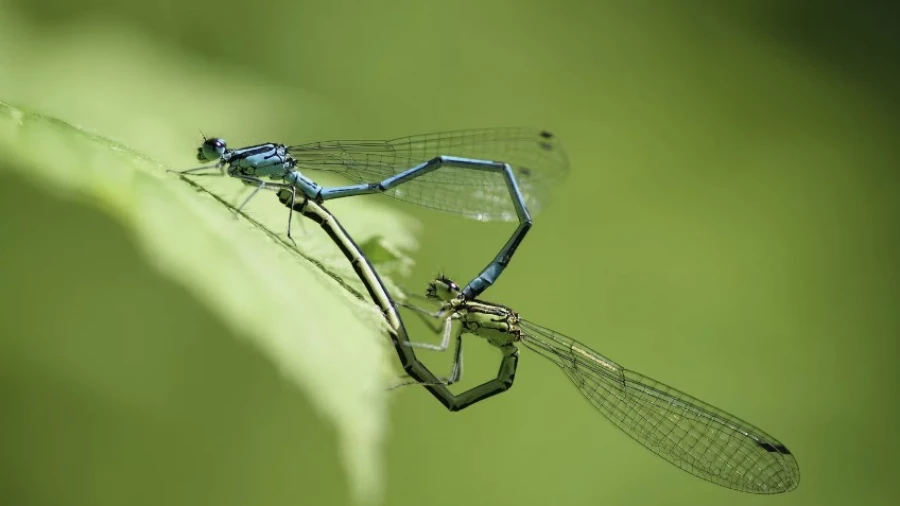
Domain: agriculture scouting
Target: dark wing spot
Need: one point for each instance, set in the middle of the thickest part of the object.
(546, 146)
(547, 135)
(774, 448)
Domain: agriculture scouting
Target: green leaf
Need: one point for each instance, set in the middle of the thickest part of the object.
(302, 309)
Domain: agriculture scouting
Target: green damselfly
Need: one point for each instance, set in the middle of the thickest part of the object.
(691, 434)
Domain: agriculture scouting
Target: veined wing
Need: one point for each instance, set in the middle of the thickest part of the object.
(537, 159)
(691, 434)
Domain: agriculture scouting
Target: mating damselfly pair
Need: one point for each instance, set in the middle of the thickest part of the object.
(499, 174)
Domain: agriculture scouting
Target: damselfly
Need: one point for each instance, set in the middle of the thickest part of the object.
(488, 174)
(691, 434)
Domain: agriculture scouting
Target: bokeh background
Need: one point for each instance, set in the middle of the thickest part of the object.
(729, 227)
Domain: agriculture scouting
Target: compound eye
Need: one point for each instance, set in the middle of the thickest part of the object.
(214, 143)
(211, 149)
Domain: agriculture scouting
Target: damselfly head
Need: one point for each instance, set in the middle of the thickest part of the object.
(442, 289)
(211, 149)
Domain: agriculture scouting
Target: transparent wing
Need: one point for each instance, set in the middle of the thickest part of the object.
(700, 439)
(537, 159)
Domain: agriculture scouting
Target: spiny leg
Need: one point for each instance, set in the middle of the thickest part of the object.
(220, 171)
(289, 200)
(260, 184)
(492, 272)
(456, 372)
(248, 181)
(219, 166)
(429, 318)
(445, 336)
(287, 195)
(239, 195)
(293, 202)
(453, 329)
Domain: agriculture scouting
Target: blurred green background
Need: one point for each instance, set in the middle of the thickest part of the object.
(729, 227)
